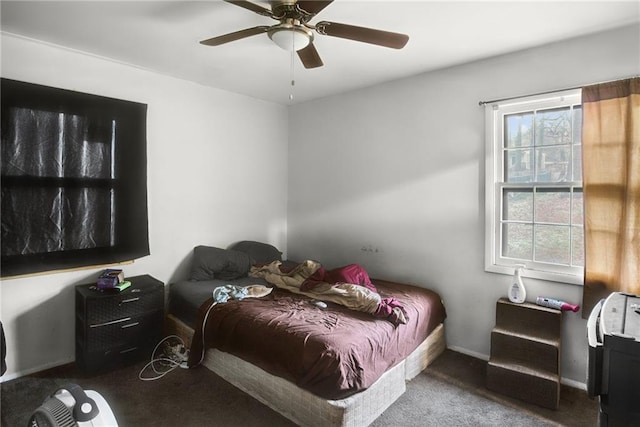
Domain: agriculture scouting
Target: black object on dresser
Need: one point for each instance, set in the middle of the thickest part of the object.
(117, 327)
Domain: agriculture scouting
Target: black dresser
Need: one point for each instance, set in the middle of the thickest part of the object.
(114, 327)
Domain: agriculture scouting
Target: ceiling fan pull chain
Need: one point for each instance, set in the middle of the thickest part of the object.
(293, 81)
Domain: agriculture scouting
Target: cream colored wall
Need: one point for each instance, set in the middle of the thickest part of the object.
(208, 170)
(392, 177)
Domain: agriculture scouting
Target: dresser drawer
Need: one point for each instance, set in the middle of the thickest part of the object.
(126, 331)
(104, 310)
(108, 358)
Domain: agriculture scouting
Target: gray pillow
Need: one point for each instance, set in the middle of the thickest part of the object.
(260, 253)
(215, 263)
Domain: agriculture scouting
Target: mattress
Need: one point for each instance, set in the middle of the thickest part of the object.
(332, 353)
(305, 408)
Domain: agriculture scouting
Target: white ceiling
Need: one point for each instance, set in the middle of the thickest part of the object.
(163, 36)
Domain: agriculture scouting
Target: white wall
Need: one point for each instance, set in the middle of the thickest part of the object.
(398, 170)
(214, 159)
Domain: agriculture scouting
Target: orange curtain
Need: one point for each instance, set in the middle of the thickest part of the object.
(611, 182)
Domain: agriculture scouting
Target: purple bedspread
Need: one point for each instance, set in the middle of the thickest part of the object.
(332, 352)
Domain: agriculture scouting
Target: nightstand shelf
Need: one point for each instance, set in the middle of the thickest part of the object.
(118, 327)
(525, 353)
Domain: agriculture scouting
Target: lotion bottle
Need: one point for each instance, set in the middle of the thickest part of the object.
(517, 293)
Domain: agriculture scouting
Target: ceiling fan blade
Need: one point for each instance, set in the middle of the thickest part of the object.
(310, 57)
(362, 34)
(226, 38)
(252, 7)
(313, 7)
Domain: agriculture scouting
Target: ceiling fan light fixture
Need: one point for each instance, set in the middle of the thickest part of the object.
(291, 37)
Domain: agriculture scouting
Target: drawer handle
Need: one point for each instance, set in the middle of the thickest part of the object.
(113, 322)
(129, 350)
(130, 325)
(124, 301)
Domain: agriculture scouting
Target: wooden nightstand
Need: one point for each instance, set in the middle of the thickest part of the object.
(525, 353)
(116, 327)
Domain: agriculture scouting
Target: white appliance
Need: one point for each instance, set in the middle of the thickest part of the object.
(73, 406)
(613, 374)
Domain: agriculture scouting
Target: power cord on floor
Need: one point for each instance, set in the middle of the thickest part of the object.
(166, 357)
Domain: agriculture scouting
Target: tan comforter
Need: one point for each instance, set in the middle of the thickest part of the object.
(350, 295)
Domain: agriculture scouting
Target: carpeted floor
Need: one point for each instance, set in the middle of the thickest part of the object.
(450, 392)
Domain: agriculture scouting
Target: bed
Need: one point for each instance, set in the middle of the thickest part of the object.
(315, 365)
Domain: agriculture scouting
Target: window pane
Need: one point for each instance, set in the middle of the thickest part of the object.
(552, 164)
(553, 205)
(577, 242)
(87, 147)
(87, 218)
(517, 241)
(30, 212)
(553, 127)
(552, 244)
(518, 166)
(577, 208)
(518, 205)
(577, 124)
(577, 163)
(518, 130)
(31, 143)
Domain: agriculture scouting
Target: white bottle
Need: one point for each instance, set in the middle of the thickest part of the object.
(517, 292)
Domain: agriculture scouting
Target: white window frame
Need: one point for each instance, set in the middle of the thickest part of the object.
(494, 184)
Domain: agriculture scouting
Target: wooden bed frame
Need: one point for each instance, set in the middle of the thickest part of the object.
(305, 408)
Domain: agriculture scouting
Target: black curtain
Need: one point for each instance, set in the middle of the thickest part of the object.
(73, 179)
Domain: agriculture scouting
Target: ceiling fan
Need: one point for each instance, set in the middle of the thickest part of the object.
(294, 33)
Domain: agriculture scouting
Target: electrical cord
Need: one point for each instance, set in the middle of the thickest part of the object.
(171, 358)
(204, 324)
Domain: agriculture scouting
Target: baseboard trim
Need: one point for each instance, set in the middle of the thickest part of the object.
(565, 381)
(18, 374)
(468, 352)
(573, 383)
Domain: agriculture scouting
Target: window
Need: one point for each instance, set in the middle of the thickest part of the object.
(73, 179)
(534, 210)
